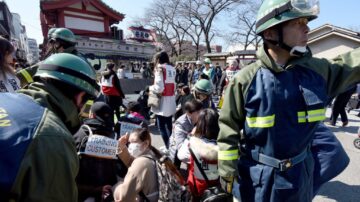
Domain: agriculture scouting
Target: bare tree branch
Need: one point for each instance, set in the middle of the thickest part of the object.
(244, 26)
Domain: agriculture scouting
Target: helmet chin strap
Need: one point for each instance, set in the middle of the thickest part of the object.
(297, 51)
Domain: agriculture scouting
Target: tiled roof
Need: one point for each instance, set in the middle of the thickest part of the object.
(107, 6)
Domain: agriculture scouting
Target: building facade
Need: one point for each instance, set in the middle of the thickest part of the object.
(329, 41)
(91, 21)
(19, 39)
(33, 55)
(6, 26)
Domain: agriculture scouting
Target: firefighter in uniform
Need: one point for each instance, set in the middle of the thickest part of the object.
(279, 102)
(60, 40)
(202, 91)
(38, 160)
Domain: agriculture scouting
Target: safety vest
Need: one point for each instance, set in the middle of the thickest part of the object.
(169, 74)
(108, 87)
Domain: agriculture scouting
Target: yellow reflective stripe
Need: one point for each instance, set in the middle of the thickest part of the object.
(228, 155)
(316, 115)
(27, 76)
(261, 122)
(89, 102)
(301, 117)
(313, 116)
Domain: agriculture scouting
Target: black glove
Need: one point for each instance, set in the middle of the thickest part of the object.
(227, 184)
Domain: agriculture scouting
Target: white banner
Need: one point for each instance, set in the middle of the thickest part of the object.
(101, 147)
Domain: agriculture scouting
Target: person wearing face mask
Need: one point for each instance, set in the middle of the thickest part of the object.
(38, 160)
(141, 178)
(202, 91)
(278, 102)
(182, 127)
(8, 81)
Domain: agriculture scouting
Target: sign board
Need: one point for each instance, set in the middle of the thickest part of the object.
(129, 75)
(101, 147)
(137, 75)
(127, 127)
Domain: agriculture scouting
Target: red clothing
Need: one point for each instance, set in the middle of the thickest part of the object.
(108, 86)
(169, 84)
(206, 153)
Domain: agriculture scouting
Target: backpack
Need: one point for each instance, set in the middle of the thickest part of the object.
(172, 186)
(211, 194)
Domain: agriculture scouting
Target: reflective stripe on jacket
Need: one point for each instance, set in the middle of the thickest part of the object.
(279, 109)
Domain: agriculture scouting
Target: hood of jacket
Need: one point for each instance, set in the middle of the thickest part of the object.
(54, 100)
(99, 127)
(205, 148)
(269, 63)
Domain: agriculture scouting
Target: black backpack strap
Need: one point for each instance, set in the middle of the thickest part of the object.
(199, 166)
(142, 195)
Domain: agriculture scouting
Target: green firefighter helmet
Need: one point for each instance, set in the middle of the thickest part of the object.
(64, 34)
(274, 12)
(203, 86)
(207, 61)
(70, 69)
(51, 31)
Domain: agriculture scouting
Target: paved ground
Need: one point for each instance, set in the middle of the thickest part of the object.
(343, 188)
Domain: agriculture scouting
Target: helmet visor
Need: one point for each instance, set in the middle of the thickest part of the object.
(306, 6)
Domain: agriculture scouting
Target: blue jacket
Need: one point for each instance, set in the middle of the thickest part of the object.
(38, 160)
(279, 110)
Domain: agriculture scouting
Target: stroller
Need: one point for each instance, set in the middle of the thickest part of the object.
(357, 140)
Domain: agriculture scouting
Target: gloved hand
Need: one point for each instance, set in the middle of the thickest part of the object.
(227, 184)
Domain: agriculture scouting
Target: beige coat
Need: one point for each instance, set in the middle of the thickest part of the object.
(141, 176)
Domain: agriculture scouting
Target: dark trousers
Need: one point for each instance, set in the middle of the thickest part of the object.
(339, 106)
(165, 126)
(114, 102)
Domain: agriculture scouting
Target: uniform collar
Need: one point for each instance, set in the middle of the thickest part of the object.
(268, 62)
(52, 99)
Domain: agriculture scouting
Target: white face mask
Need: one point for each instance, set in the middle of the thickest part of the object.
(135, 149)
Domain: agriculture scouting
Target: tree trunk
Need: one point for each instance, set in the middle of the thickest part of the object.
(207, 41)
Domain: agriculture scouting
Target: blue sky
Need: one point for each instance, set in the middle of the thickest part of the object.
(346, 15)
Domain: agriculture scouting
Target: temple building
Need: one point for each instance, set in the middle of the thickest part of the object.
(91, 21)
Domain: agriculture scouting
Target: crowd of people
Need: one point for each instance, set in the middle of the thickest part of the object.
(268, 142)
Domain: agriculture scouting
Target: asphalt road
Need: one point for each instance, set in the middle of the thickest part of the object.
(343, 188)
